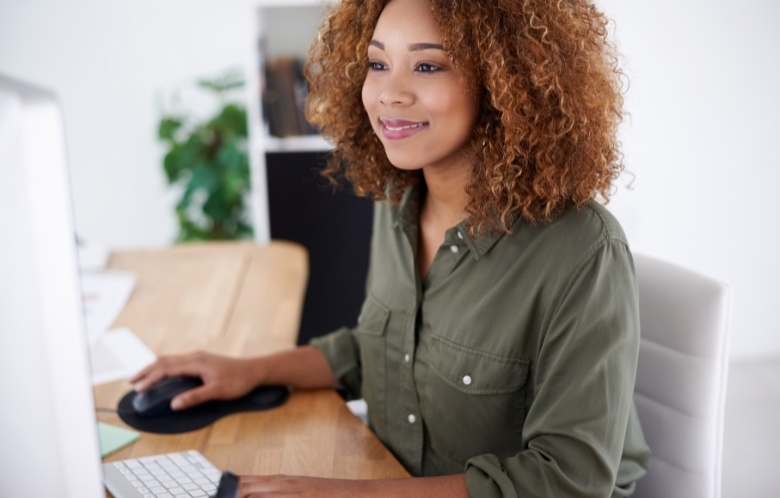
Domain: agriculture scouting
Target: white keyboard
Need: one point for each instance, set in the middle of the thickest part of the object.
(175, 475)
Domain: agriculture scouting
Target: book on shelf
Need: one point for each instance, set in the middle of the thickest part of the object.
(284, 98)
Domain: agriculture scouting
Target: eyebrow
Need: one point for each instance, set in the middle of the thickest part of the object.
(412, 47)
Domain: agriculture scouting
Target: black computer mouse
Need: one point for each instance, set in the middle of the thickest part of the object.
(156, 401)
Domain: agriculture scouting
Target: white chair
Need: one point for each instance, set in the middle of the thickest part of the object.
(681, 379)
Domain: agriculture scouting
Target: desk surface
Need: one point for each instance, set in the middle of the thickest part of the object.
(241, 299)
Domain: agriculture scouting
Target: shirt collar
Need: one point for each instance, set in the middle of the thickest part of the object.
(407, 217)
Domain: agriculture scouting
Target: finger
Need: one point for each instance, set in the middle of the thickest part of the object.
(144, 372)
(170, 366)
(151, 377)
(256, 486)
(194, 397)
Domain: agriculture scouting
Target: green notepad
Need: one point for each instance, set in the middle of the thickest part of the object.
(113, 438)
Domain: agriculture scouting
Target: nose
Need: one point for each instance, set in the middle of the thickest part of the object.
(396, 90)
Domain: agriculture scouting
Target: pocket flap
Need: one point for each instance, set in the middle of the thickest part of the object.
(477, 372)
(373, 317)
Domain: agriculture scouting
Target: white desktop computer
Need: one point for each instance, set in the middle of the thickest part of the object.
(48, 441)
(48, 436)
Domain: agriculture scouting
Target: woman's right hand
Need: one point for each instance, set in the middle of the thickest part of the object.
(223, 377)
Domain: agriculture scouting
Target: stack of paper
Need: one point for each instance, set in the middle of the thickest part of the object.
(114, 354)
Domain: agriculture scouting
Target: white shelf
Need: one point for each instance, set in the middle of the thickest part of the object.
(286, 28)
(304, 143)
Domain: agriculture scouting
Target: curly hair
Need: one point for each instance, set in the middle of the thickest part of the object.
(550, 102)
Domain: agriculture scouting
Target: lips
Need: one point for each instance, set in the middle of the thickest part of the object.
(396, 129)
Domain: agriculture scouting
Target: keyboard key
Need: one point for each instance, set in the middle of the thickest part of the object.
(152, 466)
(143, 490)
(190, 487)
(171, 484)
(140, 472)
(133, 464)
(158, 472)
(147, 477)
(165, 495)
(158, 490)
(210, 489)
(197, 493)
(149, 495)
(119, 465)
(202, 481)
(177, 491)
(177, 473)
(184, 480)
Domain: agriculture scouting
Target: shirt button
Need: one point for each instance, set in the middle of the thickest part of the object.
(467, 379)
(406, 358)
(454, 249)
(460, 235)
(411, 418)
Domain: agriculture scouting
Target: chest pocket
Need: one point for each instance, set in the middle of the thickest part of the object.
(474, 401)
(373, 353)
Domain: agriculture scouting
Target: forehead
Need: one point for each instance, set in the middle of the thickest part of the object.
(407, 21)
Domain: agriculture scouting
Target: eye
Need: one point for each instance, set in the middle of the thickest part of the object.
(376, 66)
(427, 67)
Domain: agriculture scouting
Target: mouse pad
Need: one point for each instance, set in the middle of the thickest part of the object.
(197, 417)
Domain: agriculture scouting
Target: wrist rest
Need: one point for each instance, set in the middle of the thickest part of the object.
(197, 417)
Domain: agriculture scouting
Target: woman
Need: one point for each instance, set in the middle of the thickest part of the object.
(497, 345)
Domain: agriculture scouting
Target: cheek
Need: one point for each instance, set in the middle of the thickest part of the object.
(369, 97)
(457, 111)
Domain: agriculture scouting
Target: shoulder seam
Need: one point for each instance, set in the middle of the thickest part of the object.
(610, 233)
(608, 237)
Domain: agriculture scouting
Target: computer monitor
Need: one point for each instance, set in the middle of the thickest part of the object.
(48, 440)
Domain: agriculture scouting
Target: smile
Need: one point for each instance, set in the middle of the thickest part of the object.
(405, 127)
(395, 129)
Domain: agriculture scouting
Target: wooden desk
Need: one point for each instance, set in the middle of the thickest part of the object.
(241, 299)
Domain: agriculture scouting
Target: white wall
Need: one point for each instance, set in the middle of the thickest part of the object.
(703, 140)
(110, 62)
(704, 143)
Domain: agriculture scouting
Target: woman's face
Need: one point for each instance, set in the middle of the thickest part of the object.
(414, 99)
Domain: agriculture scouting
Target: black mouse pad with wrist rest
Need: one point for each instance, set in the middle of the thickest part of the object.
(198, 417)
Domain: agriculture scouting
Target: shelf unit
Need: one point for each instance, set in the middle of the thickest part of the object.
(278, 28)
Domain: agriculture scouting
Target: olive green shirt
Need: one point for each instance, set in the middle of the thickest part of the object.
(514, 361)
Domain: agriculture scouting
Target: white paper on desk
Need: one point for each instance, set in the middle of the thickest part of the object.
(118, 354)
(105, 295)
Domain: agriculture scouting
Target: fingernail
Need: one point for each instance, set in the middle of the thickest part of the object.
(177, 404)
(138, 386)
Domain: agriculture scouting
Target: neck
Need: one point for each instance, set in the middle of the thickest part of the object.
(446, 199)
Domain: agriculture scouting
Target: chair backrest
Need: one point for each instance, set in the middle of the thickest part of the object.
(681, 378)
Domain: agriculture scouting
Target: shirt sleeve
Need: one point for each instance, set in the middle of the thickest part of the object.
(342, 350)
(583, 383)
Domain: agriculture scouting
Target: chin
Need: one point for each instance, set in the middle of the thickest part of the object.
(405, 160)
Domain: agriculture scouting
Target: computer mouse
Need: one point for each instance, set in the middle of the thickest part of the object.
(156, 401)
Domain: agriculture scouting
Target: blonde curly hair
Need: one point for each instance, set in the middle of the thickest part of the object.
(550, 103)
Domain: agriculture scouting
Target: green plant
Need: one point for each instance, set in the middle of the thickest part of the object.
(209, 159)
